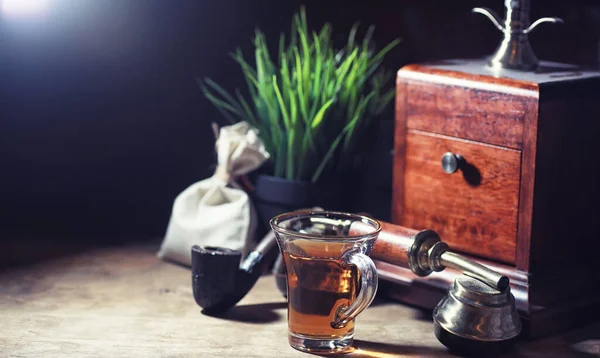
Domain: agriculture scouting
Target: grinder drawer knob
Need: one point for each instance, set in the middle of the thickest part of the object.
(450, 162)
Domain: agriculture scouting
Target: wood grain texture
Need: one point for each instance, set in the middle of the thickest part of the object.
(124, 302)
(475, 209)
(502, 84)
(399, 150)
(526, 187)
(484, 116)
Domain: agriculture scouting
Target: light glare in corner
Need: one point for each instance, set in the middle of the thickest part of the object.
(23, 7)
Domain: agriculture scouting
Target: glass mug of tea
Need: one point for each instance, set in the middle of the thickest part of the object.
(330, 277)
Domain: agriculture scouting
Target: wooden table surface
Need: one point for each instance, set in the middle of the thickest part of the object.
(124, 302)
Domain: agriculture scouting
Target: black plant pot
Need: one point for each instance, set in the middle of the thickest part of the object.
(273, 196)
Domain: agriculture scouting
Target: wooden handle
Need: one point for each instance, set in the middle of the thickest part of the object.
(393, 244)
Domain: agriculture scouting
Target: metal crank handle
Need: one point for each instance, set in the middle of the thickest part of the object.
(423, 252)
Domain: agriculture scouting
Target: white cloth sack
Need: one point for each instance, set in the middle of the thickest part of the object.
(217, 211)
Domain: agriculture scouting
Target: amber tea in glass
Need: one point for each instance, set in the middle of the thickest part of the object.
(330, 277)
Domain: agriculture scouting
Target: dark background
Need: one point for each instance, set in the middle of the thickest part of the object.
(102, 123)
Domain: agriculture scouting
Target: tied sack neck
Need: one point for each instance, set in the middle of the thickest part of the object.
(239, 151)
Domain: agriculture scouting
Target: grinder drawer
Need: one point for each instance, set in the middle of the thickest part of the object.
(474, 209)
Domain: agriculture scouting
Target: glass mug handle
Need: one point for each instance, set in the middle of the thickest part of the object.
(368, 288)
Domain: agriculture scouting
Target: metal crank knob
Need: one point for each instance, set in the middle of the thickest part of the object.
(451, 162)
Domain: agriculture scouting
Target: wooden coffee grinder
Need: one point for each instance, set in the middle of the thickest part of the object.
(498, 156)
